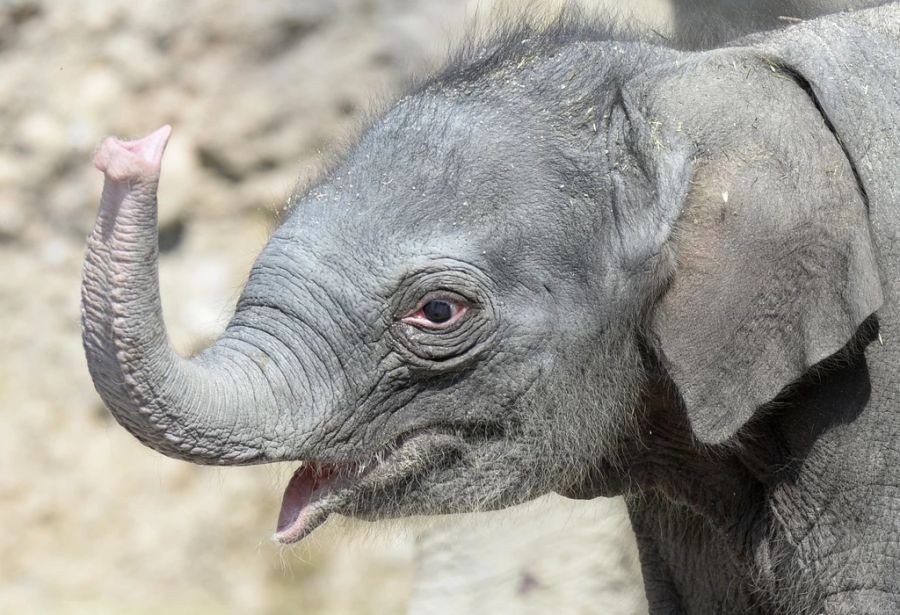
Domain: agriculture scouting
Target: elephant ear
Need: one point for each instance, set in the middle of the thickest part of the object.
(774, 268)
(848, 64)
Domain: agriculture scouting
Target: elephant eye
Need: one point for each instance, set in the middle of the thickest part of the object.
(436, 313)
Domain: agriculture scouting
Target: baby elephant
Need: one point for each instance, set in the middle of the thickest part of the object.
(570, 263)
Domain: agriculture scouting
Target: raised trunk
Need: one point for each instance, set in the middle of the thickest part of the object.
(209, 409)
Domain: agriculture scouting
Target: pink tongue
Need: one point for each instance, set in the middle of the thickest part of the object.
(294, 502)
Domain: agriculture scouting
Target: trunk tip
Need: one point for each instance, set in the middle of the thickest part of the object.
(121, 160)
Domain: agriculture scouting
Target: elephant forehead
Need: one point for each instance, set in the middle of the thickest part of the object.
(359, 252)
(441, 179)
(329, 269)
(432, 165)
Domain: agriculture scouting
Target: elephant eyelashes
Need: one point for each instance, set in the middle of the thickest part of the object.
(436, 312)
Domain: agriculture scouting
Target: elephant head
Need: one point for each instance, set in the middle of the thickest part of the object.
(470, 309)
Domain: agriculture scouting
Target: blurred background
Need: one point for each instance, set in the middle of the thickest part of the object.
(259, 95)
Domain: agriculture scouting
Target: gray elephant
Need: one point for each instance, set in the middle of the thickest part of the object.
(706, 23)
(569, 263)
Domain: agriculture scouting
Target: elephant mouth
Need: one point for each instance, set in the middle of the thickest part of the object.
(304, 503)
(316, 489)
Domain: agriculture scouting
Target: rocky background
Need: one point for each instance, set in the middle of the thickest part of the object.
(259, 95)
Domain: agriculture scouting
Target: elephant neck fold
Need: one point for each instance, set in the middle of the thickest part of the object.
(809, 486)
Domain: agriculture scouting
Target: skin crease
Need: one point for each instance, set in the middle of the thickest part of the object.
(671, 292)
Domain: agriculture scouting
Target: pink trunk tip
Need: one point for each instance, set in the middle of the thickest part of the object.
(127, 160)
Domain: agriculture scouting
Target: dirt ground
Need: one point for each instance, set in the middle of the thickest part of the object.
(259, 94)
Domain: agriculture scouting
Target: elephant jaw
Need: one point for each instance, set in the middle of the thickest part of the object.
(316, 490)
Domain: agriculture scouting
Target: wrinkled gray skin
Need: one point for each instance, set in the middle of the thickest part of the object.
(679, 272)
(699, 24)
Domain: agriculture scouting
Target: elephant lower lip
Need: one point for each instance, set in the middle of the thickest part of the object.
(312, 494)
(318, 489)
(294, 517)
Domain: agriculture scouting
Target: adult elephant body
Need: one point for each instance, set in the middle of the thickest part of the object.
(574, 264)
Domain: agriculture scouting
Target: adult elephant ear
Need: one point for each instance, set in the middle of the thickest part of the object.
(775, 262)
